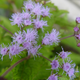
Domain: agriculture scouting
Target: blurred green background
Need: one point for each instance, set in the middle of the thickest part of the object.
(58, 20)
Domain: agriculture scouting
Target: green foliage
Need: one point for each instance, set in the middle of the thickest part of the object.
(36, 68)
(32, 69)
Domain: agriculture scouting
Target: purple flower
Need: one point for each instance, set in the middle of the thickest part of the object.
(17, 19)
(64, 55)
(25, 15)
(45, 11)
(78, 36)
(29, 5)
(39, 23)
(33, 50)
(78, 19)
(78, 44)
(53, 77)
(15, 49)
(27, 22)
(37, 9)
(76, 29)
(30, 36)
(66, 66)
(55, 64)
(27, 45)
(4, 51)
(18, 37)
(71, 72)
(52, 37)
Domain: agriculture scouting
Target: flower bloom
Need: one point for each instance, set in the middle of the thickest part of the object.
(45, 11)
(17, 19)
(50, 38)
(53, 77)
(78, 44)
(55, 64)
(76, 29)
(3, 51)
(78, 19)
(64, 55)
(30, 36)
(78, 36)
(18, 37)
(39, 23)
(66, 66)
(71, 72)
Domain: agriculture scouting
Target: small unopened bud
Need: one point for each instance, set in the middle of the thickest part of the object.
(76, 29)
(78, 44)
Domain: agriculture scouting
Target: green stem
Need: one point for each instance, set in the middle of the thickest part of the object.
(44, 57)
(66, 37)
(7, 71)
(6, 30)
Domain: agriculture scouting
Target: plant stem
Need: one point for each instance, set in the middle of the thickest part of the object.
(44, 57)
(6, 30)
(66, 37)
(7, 71)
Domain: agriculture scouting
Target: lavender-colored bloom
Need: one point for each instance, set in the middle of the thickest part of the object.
(64, 55)
(27, 22)
(25, 15)
(18, 37)
(52, 37)
(37, 9)
(45, 11)
(29, 5)
(39, 23)
(71, 72)
(66, 66)
(27, 45)
(76, 29)
(16, 19)
(33, 50)
(78, 36)
(30, 36)
(78, 19)
(4, 51)
(78, 44)
(15, 49)
(53, 77)
(55, 64)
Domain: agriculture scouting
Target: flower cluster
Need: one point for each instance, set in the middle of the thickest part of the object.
(66, 66)
(77, 31)
(31, 15)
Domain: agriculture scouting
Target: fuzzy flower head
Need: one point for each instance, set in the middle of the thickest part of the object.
(76, 29)
(71, 72)
(51, 38)
(29, 5)
(26, 15)
(16, 19)
(64, 55)
(30, 36)
(3, 51)
(55, 64)
(52, 77)
(33, 50)
(78, 36)
(78, 20)
(78, 44)
(18, 37)
(39, 23)
(37, 9)
(27, 22)
(15, 49)
(45, 11)
(66, 66)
